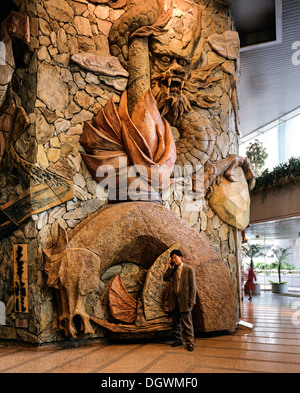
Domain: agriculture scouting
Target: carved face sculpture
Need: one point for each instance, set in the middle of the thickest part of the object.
(171, 56)
(169, 71)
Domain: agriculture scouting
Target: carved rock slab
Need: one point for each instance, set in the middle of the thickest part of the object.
(100, 64)
(155, 287)
(74, 273)
(140, 232)
(231, 201)
(226, 44)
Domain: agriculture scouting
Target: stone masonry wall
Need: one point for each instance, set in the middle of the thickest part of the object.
(58, 97)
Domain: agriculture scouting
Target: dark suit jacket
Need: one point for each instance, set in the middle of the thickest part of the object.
(187, 288)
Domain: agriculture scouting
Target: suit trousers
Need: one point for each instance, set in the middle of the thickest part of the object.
(186, 319)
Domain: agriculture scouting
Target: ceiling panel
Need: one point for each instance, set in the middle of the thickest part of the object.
(281, 229)
(270, 82)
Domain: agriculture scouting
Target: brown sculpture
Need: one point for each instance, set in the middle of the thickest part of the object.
(74, 273)
(122, 305)
(143, 139)
(178, 82)
(144, 233)
(170, 84)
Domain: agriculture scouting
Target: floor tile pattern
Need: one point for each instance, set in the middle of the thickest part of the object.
(272, 346)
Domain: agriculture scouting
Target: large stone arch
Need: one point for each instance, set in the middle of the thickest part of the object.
(140, 232)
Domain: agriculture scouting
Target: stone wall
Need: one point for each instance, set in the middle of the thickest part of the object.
(58, 96)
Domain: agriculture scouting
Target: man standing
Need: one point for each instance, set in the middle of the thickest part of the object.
(182, 297)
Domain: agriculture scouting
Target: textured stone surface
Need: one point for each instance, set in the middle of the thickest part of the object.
(75, 273)
(55, 38)
(226, 44)
(59, 10)
(231, 201)
(140, 232)
(51, 89)
(155, 288)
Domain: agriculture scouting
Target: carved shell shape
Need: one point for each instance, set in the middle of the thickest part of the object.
(123, 306)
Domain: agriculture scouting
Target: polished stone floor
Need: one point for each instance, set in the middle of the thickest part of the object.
(273, 346)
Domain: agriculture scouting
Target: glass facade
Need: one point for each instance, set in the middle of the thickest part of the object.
(281, 139)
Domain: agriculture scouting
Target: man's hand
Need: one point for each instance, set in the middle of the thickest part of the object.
(171, 264)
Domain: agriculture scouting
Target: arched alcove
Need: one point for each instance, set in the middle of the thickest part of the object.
(139, 232)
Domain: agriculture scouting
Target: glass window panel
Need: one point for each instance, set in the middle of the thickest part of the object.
(269, 136)
(292, 138)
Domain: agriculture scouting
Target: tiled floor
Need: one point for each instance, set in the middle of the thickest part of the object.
(273, 346)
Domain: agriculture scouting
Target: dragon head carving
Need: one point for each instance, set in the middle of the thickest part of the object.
(177, 75)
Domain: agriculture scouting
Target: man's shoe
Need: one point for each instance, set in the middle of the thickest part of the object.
(177, 344)
(190, 347)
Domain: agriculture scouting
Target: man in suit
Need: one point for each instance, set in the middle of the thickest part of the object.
(182, 298)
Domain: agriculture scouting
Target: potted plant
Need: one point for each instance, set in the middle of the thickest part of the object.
(281, 255)
(252, 251)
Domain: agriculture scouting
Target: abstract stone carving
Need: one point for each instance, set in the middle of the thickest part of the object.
(122, 305)
(139, 232)
(74, 272)
(231, 201)
(100, 64)
(106, 67)
(46, 189)
(170, 84)
(226, 44)
(155, 288)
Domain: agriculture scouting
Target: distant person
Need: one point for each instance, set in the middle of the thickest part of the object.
(251, 278)
(182, 298)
